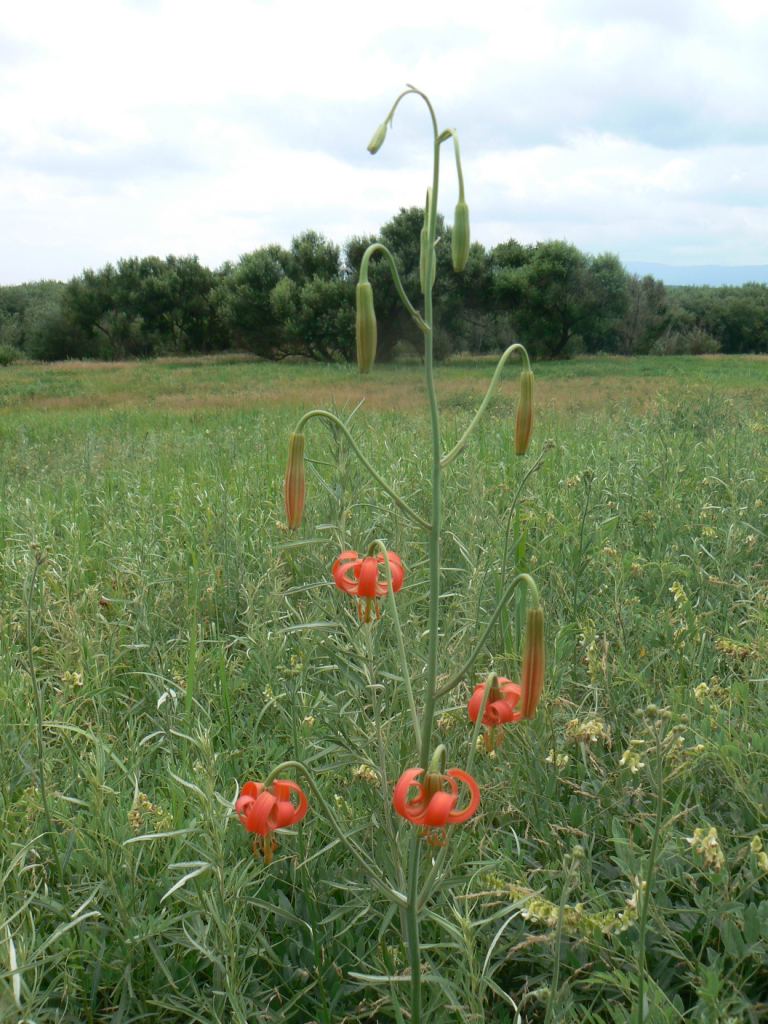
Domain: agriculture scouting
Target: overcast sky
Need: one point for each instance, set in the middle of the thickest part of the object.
(136, 127)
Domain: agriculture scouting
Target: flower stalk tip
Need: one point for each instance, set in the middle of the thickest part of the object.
(295, 484)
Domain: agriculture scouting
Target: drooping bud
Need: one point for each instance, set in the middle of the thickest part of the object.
(366, 327)
(532, 675)
(294, 482)
(524, 421)
(424, 249)
(377, 139)
(460, 236)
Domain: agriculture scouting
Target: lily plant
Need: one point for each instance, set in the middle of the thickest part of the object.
(428, 795)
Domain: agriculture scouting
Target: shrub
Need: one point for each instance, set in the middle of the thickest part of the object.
(692, 341)
(8, 354)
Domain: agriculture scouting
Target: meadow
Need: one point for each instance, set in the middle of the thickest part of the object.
(164, 638)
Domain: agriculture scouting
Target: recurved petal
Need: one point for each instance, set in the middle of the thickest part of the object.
(344, 557)
(258, 815)
(457, 817)
(293, 813)
(438, 810)
(368, 578)
(344, 574)
(407, 781)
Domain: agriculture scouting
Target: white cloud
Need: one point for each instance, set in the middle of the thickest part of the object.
(158, 126)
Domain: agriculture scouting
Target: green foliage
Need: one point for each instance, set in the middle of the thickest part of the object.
(560, 297)
(552, 296)
(183, 644)
(8, 354)
(736, 317)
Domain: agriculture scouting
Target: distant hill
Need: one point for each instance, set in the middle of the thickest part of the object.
(712, 275)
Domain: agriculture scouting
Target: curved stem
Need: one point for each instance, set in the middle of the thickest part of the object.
(451, 133)
(411, 90)
(380, 247)
(424, 96)
(402, 505)
(461, 443)
(457, 676)
(376, 878)
(392, 604)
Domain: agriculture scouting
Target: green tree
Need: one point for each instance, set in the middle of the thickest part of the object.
(243, 300)
(559, 296)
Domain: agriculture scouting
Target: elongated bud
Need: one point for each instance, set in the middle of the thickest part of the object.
(294, 482)
(424, 248)
(423, 254)
(366, 327)
(524, 421)
(532, 675)
(460, 237)
(377, 139)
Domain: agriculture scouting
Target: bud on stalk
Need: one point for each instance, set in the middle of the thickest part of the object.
(366, 327)
(532, 675)
(460, 237)
(424, 249)
(377, 139)
(294, 482)
(423, 252)
(524, 421)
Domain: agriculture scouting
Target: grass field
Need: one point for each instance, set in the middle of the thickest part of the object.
(163, 638)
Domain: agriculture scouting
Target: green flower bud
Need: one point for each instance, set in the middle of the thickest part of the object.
(460, 237)
(423, 253)
(377, 139)
(294, 488)
(524, 421)
(532, 675)
(366, 327)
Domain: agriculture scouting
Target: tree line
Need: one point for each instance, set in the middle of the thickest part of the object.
(299, 301)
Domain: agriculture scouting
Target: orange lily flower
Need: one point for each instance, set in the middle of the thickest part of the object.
(262, 809)
(500, 708)
(360, 578)
(433, 807)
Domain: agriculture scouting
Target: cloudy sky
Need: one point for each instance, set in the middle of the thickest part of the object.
(135, 127)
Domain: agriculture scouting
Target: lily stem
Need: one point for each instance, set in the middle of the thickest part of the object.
(401, 504)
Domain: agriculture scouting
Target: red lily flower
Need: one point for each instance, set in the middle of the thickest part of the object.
(262, 809)
(432, 807)
(499, 709)
(360, 578)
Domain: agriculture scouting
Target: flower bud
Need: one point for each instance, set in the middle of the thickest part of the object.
(532, 675)
(377, 139)
(294, 482)
(423, 253)
(460, 236)
(524, 421)
(366, 327)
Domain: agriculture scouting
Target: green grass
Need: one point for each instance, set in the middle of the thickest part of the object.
(183, 642)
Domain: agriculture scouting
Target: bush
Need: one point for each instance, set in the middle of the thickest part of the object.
(8, 354)
(692, 341)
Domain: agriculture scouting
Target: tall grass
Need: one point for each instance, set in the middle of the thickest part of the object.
(183, 641)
